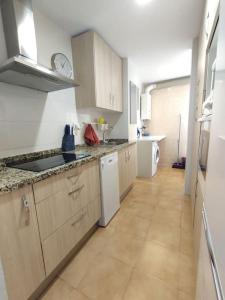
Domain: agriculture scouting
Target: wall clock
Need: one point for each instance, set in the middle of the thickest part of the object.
(61, 64)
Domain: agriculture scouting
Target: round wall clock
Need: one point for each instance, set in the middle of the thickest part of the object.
(61, 64)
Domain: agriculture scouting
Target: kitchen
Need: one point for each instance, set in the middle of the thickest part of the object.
(91, 126)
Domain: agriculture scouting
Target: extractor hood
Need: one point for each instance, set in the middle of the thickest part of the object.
(22, 68)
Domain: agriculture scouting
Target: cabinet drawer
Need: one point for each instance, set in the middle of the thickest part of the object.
(68, 180)
(45, 188)
(74, 178)
(59, 244)
(79, 197)
(53, 212)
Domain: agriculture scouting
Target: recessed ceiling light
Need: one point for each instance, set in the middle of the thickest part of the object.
(143, 2)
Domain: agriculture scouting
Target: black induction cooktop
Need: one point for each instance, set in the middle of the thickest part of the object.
(47, 162)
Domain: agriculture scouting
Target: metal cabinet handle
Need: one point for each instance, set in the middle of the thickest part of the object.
(78, 220)
(77, 190)
(215, 274)
(26, 207)
(73, 176)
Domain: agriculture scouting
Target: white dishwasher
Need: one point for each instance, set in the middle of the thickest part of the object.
(109, 187)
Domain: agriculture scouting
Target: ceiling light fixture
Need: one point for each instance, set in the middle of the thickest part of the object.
(143, 2)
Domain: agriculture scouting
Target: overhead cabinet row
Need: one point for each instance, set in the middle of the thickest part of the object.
(99, 70)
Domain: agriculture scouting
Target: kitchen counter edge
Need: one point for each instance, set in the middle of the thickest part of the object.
(13, 179)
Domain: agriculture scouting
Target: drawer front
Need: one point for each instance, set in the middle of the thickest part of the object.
(45, 188)
(53, 212)
(68, 180)
(79, 197)
(59, 244)
(74, 178)
(94, 212)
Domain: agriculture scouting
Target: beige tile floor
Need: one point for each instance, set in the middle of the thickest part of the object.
(146, 253)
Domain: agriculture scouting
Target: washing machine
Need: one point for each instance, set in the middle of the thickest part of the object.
(155, 157)
(148, 155)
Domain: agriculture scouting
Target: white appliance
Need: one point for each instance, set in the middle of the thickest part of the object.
(146, 106)
(148, 155)
(109, 187)
(155, 157)
(214, 206)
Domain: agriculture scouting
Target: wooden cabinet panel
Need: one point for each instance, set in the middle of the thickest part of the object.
(132, 155)
(20, 245)
(60, 243)
(100, 73)
(53, 213)
(69, 217)
(122, 171)
(117, 82)
(127, 167)
(102, 64)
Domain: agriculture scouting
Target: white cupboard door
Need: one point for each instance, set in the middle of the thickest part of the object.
(20, 245)
(117, 82)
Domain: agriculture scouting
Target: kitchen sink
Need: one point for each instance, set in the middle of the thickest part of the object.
(115, 142)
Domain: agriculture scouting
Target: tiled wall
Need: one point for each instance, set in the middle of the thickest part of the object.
(167, 105)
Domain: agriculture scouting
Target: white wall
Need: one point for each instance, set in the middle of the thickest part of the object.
(32, 120)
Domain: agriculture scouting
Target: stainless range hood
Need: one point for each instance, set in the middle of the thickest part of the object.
(21, 68)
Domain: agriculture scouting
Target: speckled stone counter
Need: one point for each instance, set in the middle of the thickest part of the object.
(12, 179)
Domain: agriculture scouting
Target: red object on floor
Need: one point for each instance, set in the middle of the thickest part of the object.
(90, 136)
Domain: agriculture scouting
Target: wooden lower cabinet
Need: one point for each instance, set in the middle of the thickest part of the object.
(40, 226)
(127, 168)
(66, 216)
(20, 246)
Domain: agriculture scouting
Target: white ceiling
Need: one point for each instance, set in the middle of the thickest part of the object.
(157, 37)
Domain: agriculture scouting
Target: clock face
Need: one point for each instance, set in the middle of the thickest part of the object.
(62, 65)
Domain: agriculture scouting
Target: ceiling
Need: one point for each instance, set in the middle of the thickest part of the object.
(157, 37)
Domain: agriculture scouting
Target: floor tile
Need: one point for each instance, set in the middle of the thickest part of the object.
(187, 243)
(60, 290)
(170, 217)
(160, 262)
(105, 278)
(183, 296)
(142, 287)
(164, 234)
(124, 247)
(145, 253)
(187, 276)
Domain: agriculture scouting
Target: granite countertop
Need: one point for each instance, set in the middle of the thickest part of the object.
(12, 179)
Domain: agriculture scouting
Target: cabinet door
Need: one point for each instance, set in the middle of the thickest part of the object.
(20, 245)
(132, 161)
(123, 171)
(102, 65)
(117, 80)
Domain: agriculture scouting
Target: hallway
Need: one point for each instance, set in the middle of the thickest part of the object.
(146, 252)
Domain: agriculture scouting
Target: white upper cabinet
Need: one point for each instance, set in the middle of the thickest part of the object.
(146, 107)
(99, 70)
